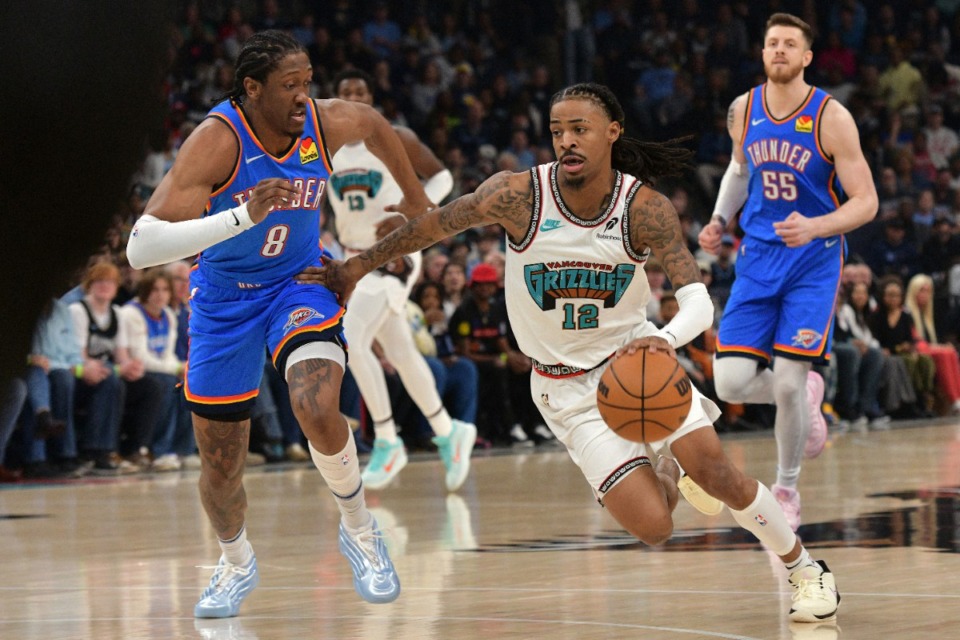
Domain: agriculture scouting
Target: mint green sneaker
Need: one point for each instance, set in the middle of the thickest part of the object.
(386, 461)
(455, 451)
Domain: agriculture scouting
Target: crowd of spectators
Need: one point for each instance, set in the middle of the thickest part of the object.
(474, 79)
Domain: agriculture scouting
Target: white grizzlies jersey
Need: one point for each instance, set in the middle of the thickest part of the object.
(576, 289)
(359, 189)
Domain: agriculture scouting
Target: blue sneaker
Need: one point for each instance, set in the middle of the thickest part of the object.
(228, 587)
(385, 463)
(455, 451)
(374, 577)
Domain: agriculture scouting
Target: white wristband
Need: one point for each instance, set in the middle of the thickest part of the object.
(694, 317)
(439, 186)
(154, 241)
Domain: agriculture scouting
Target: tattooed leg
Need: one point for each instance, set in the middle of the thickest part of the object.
(315, 398)
(223, 452)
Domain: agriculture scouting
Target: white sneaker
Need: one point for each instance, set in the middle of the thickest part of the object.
(817, 439)
(296, 453)
(544, 433)
(167, 462)
(789, 500)
(698, 498)
(815, 596)
(191, 461)
(386, 461)
(519, 437)
(455, 450)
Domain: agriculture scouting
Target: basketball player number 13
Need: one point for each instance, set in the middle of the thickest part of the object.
(779, 185)
(584, 317)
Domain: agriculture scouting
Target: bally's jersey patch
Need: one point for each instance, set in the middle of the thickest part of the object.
(804, 124)
(308, 150)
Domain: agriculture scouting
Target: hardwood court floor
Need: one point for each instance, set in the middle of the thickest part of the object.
(522, 552)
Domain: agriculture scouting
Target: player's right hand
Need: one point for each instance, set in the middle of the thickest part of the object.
(710, 237)
(269, 195)
(338, 276)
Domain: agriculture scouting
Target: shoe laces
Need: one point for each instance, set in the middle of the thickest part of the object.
(367, 542)
(808, 588)
(223, 574)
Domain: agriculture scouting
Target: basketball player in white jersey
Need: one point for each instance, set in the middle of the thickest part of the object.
(580, 231)
(359, 191)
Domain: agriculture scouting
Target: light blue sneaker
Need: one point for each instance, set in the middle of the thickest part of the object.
(374, 577)
(385, 463)
(228, 587)
(455, 451)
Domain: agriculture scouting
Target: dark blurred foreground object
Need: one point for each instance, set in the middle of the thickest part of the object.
(83, 86)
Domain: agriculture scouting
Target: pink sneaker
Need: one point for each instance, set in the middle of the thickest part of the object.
(789, 500)
(817, 439)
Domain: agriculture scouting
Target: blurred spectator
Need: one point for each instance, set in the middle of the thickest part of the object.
(893, 328)
(12, 399)
(381, 33)
(99, 389)
(151, 329)
(902, 83)
(713, 155)
(892, 254)
(942, 142)
(54, 363)
(859, 362)
(723, 271)
(919, 301)
(453, 278)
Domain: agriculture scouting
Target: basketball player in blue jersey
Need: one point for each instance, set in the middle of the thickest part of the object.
(796, 156)
(579, 232)
(245, 192)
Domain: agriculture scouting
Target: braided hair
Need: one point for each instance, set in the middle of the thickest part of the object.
(645, 160)
(261, 54)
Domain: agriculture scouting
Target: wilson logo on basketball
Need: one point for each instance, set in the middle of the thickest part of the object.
(603, 389)
(682, 386)
(299, 317)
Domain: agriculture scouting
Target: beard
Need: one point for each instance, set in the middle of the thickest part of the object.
(780, 74)
(574, 182)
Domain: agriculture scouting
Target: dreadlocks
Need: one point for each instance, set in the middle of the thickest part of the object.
(645, 160)
(260, 55)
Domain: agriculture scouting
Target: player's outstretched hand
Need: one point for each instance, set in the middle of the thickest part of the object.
(336, 275)
(269, 195)
(653, 343)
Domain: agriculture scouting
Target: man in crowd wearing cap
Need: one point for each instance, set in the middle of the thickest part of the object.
(479, 329)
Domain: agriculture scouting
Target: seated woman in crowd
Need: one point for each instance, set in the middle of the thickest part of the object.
(859, 362)
(920, 304)
(893, 328)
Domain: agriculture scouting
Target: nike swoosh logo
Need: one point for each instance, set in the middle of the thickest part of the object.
(236, 220)
(753, 122)
(389, 466)
(830, 243)
(249, 160)
(550, 225)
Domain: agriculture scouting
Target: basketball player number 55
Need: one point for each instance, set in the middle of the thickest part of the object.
(779, 185)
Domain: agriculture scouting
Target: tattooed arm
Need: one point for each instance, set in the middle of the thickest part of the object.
(654, 223)
(505, 199)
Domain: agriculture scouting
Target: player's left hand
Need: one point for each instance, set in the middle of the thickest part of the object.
(411, 210)
(797, 230)
(653, 343)
(388, 225)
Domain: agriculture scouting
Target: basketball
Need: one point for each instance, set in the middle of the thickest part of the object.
(644, 397)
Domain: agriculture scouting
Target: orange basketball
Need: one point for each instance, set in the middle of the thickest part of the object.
(644, 397)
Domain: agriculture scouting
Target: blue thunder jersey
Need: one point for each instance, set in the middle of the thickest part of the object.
(287, 240)
(789, 170)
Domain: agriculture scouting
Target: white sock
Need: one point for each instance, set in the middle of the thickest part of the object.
(802, 561)
(764, 518)
(341, 471)
(385, 430)
(237, 550)
(440, 422)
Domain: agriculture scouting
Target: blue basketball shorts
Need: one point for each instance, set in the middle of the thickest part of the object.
(783, 301)
(233, 329)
